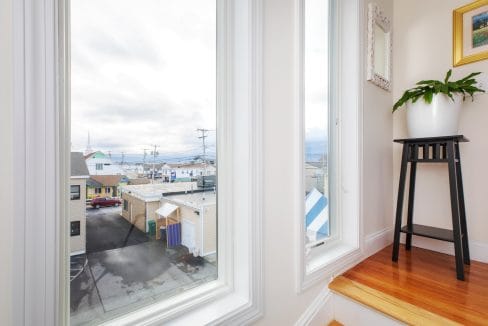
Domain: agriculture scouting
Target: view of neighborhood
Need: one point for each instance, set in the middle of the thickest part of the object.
(316, 115)
(143, 203)
(139, 232)
(143, 187)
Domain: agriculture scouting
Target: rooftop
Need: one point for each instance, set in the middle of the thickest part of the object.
(154, 192)
(78, 165)
(194, 200)
(104, 180)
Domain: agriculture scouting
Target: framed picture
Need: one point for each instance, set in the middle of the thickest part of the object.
(470, 33)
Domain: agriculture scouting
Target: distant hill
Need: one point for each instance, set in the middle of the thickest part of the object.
(315, 150)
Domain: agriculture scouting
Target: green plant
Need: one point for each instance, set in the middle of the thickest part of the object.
(428, 88)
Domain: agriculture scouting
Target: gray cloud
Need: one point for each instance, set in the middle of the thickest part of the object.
(142, 73)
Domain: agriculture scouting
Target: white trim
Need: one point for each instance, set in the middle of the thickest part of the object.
(320, 309)
(79, 252)
(80, 177)
(350, 312)
(378, 240)
(345, 92)
(37, 266)
(478, 250)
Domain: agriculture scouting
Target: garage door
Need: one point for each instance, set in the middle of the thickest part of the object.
(188, 235)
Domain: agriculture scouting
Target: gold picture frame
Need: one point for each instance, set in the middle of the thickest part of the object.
(470, 37)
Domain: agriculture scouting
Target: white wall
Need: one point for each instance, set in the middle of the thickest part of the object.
(423, 50)
(377, 145)
(282, 305)
(6, 172)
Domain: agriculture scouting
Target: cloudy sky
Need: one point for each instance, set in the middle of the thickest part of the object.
(316, 73)
(143, 73)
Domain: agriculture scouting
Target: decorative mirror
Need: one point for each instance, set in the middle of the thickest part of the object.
(379, 48)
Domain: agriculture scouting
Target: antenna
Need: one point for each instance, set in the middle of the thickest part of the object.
(88, 149)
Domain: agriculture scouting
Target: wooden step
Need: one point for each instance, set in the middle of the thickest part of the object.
(387, 304)
(335, 323)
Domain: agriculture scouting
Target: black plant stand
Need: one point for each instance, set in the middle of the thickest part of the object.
(434, 150)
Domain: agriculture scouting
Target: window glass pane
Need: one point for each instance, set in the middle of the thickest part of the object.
(143, 110)
(75, 192)
(75, 228)
(317, 220)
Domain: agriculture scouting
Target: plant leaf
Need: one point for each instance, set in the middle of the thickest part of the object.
(427, 89)
(428, 97)
(448, 75)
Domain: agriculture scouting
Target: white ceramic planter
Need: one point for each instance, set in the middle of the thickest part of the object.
(439, 118)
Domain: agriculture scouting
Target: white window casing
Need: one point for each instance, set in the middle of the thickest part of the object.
(344, 247)
(41, 139)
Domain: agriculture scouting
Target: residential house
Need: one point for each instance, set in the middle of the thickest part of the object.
(140, 202)
(186, 171)
(197, 213)
(99, 163)
(103, 186)
(77, 207)
(315, 176)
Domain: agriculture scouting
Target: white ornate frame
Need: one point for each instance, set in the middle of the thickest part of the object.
(376, 17)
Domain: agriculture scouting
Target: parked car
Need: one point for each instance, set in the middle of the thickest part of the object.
(105, 202)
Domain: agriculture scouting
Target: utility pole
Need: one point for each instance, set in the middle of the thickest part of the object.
(154, 154)
(204, 146)
(123, 157)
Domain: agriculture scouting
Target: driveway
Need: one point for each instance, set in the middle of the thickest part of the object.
(126, 267)
(106, 229)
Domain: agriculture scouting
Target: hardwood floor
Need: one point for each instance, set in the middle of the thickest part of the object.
(427, 280)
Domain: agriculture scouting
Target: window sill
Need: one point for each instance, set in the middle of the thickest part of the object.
(212, 303)
(329, 262)
(328, 256)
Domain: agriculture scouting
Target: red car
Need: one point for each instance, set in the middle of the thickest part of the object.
(105, 202)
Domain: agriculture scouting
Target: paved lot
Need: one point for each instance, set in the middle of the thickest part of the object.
(106, 229)
(135, 274)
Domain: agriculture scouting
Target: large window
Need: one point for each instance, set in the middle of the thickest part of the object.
(42, 125)
(144, 102)
(318, 220)
(329, 109)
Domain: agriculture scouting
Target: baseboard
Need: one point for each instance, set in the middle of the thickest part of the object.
(376, 241)
(478, 250)
(319, 312)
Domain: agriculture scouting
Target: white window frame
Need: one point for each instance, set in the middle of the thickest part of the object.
(41, 121)
(344, 248)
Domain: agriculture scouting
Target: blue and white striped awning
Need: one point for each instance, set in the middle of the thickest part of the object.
(316, 216)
